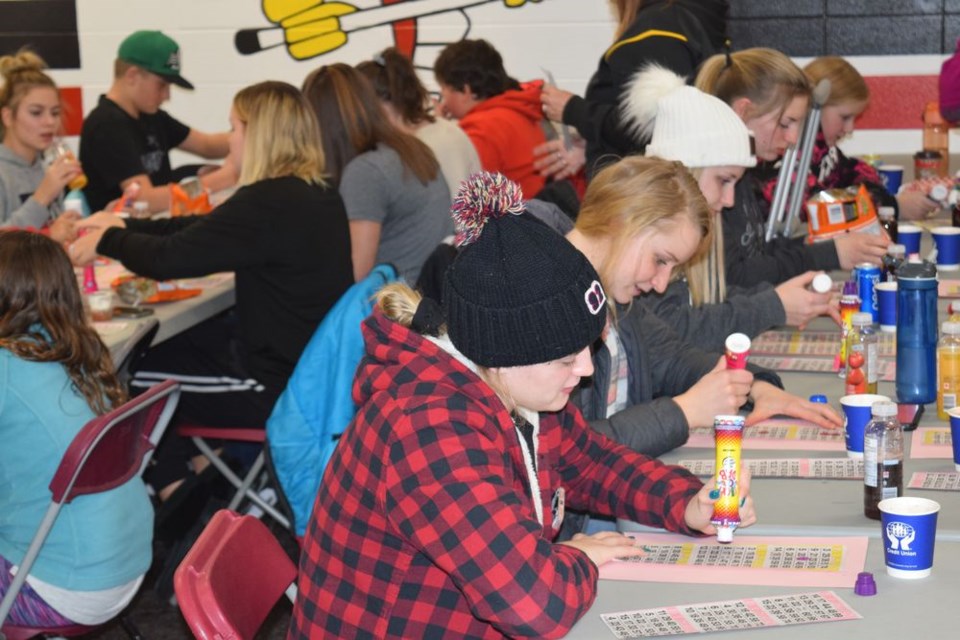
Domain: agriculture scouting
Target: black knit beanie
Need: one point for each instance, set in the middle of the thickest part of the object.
(518, 293)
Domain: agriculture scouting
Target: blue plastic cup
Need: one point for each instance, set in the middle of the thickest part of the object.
(955, 435)
(887, 301)
(908, 531)
(856, 415)
(909, 236)
(947, 240)
(892, 177)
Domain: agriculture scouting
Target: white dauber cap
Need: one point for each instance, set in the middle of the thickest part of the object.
(725, 533)
(737, 343)
(822, 283)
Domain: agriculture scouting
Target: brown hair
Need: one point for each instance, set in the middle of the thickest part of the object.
(768, 78)
(21, 72)
(42, 317)
(475, 64)
(281, 134)
(395, 80)
(639, 193)
(846, 83)
(352, 122)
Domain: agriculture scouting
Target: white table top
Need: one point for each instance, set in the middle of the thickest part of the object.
(901, 608)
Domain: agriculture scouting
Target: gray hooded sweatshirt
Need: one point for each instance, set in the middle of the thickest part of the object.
(18, 180)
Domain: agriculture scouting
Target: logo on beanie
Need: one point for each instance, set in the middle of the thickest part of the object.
(595, 298)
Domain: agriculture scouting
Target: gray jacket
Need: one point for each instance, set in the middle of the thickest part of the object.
(18, 181)
(749, 311)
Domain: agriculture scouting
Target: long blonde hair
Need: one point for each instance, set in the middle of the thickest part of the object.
(282, 137)
(846, 83)
(768, 78)
(21, 72)
(634, 195)
(706, 272)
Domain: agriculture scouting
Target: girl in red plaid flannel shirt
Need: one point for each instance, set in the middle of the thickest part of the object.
(437, 512)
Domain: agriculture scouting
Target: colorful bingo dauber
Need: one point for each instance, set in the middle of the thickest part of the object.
(728, 432)
(737, 350)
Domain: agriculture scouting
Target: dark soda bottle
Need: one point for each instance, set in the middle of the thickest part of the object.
(882, 458)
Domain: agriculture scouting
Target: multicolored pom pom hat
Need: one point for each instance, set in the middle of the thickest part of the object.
(518, 293)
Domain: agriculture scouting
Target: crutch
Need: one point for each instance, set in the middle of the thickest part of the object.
(792, 179)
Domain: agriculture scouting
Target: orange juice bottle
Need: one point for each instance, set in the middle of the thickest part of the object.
(948, 369)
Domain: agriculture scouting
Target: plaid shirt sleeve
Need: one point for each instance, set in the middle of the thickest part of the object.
(450, 493)
(608, 478)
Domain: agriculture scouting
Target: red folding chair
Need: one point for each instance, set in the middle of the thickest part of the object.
(244, 486)
(106, 453)
(232, 577)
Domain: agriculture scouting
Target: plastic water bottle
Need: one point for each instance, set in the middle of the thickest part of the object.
(882, 458)
(917, 333)
(948, 368)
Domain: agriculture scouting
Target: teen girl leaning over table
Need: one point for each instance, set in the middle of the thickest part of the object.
(31, 193)
(701, 131)
(830, 168)
(55, 376)
(284, 233)
(641, 219)
(438, 511)
(771, 95)
(396, 197)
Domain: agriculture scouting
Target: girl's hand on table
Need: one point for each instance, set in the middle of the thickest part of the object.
(769, 401)
(722, 391)
(802, 305)
(64, 228)
(102, 220)
(83, 250)
(854, 248)
(604, 546)
(700, 509)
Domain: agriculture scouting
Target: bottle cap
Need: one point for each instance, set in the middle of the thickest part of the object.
(73, 204)
(950, 328)
(938, 192)
(897, 250)
(862, 318)
(822, 283)
(819, 398)
(886, 213)
(725, 533)
(883, 409)
(849, 288)
(866, 585)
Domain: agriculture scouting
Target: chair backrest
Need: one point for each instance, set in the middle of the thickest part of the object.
(105, 453)
(232, 577)
(114, 447)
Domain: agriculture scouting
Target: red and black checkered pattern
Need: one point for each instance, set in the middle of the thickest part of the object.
(424, 526)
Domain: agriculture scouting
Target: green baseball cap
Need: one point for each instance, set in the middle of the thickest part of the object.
(155, 52)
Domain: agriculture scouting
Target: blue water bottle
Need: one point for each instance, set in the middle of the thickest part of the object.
(917, 333)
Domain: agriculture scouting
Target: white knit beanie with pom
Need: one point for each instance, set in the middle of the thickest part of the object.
(684, 123)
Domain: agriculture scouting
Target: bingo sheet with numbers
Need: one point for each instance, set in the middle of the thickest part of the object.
(760, 560)
(816, 468)
(748, 613)
(935, 480)
(783, 434)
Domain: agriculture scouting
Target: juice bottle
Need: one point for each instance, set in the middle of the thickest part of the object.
(862, 364)
(849, 304)
(882, 458)
(948, 368)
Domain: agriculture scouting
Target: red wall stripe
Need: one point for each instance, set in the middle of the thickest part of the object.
(72, 99)
(897, 102)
